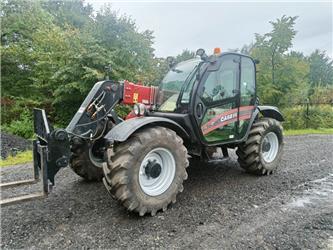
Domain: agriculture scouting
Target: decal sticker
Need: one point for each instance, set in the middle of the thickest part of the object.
(135, 97)
(226, 118)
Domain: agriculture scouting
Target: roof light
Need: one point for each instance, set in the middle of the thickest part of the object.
(217, 51)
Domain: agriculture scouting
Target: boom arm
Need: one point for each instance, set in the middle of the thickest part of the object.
(100, 102)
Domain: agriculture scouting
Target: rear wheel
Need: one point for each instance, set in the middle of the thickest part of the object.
(261, 153)
(146, 172)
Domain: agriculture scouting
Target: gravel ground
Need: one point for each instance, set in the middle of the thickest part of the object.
(221, 207)
(10, 143)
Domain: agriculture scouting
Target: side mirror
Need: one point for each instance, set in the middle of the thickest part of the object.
(202, 54)
(171, 61)
(256, 61)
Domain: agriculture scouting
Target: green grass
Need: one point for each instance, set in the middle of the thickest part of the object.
(20, 158)
(309, 131)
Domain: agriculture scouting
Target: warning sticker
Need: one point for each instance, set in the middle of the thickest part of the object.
(226, 118)
(135, 97)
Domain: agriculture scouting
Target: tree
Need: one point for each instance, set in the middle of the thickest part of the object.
(20, 21)
(293, 78)
(246, 49)
(74, 12)
(270, 49)
(321, 69)
(131, 51)
(280, 39)
(185, 55)
(53, 52)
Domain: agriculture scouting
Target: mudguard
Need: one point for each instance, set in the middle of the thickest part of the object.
(266, 111)
(124, 130)
(271, 111)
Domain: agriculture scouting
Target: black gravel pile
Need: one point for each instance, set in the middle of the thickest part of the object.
(13, 143)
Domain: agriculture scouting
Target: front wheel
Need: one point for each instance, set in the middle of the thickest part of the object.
(262, 151)
(146, 172)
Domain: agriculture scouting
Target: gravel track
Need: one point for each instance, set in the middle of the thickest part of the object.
(221, 207)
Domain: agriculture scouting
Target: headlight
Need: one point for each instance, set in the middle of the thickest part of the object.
(139, 109)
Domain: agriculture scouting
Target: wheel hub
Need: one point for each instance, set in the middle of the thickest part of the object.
(157, 171)
(266, 146)
(153, 169)
(270, 147)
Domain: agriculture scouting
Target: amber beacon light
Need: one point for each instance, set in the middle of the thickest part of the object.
(217, 51)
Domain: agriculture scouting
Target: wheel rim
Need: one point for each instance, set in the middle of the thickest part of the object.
(97, 161)
(270, 147)
(157, 171)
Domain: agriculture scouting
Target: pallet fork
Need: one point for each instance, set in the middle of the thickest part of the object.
(50, 153)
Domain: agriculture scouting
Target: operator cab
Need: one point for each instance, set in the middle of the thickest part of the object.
(217, 93)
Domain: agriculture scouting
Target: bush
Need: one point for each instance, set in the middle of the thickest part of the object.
(17, 115)
(319, 116)
(123, 110)
(23, 126)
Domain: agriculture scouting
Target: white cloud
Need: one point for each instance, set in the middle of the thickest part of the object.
(228, 25)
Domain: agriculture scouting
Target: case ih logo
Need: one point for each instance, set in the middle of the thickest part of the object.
(226, 118)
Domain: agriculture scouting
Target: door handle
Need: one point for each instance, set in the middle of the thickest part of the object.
(199, 110)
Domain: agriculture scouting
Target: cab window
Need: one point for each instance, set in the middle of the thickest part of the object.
(247, 83)
(172, 84)
(221, 84)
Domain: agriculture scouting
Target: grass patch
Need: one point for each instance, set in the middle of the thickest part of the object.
(309, 131)
(20, 158)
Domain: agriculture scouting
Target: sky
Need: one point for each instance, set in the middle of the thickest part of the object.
(228, 25)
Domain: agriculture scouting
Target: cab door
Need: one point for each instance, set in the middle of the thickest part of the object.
(216, 105)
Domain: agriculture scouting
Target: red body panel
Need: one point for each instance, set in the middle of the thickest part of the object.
(136, 93)
(130, 115)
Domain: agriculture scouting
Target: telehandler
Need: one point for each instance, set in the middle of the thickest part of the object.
(204, 105)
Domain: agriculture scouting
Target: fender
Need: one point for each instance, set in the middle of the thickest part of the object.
(266, 111)
(122, 131)
(272, 112)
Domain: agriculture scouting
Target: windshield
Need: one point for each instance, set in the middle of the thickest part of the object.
(172, 84)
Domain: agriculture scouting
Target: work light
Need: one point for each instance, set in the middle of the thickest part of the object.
(139, 109)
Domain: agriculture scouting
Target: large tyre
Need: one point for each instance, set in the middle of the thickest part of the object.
(146, 172)
(262, 151)
(81, 162)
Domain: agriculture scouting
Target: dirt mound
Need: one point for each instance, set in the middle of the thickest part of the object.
(11, 143)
